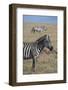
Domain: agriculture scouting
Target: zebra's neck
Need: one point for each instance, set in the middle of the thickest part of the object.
(40, 46)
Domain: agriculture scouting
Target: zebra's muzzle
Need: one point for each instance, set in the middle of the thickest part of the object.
(51, 48)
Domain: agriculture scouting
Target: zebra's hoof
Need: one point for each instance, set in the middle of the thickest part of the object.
(33, 70)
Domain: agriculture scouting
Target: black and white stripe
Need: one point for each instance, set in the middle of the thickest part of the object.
(26, 50)
(30, 48)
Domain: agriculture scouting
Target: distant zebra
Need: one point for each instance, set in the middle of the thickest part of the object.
(39, 28)
(33, 49)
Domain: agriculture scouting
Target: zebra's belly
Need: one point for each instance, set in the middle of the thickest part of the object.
(24, 57)
(27, 55)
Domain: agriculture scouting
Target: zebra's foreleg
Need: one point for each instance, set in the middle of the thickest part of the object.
(33, 64)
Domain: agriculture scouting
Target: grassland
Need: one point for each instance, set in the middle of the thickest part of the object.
(46, 63)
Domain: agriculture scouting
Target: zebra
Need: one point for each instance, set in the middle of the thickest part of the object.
(33, 49)
(39, 28)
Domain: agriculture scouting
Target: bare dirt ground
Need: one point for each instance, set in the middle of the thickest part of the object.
(46, 63)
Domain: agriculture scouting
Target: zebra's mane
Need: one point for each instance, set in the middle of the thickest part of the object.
(41, 39)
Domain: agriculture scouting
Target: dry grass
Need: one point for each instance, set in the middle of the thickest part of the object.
(46, 63)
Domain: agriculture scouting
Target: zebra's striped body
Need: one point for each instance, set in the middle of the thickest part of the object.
(33, 49)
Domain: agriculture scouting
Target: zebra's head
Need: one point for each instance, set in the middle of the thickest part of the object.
(47, 42)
